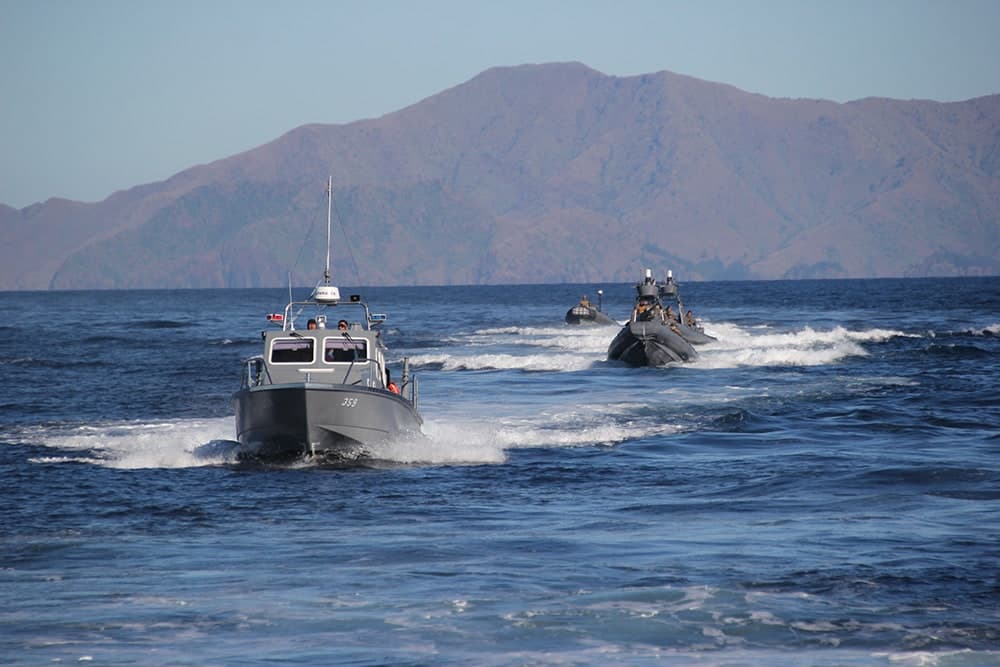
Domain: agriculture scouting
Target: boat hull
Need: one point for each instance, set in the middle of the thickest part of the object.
(287, 421)
(649, 344)
(695, 335)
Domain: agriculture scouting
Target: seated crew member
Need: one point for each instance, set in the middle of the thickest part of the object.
(389, 384)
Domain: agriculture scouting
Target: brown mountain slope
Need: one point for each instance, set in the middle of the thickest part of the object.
(550, 173)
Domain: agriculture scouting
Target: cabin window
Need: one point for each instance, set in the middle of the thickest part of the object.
(344, 350)
(292, 351)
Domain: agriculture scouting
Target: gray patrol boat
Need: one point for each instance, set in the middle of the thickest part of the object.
(322, 390)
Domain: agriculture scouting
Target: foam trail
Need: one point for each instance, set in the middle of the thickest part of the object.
(805, 347)
(460, 442)
(445, 444)
(524, 362)
(570, 338)
(570, 430)
(569, 349)
(195, 443)
(561, 348)
(168, 444)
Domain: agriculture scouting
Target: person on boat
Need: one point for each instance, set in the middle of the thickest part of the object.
(342, 325)
(645, 310)
(584, 301)
(311, 324)
(389, 384)
(689, 319)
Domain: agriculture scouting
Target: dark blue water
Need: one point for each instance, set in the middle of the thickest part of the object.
(822, 487)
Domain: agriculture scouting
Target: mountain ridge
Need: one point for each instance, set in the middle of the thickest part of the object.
(554, 173)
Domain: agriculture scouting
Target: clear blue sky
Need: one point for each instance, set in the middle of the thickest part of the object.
(102, 95)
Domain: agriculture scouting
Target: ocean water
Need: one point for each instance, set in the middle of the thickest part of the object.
(821, 487)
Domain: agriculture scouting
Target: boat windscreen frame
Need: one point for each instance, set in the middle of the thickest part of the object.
(359, 345)
(297, 340)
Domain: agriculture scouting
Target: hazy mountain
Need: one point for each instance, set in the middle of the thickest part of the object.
(552, 173)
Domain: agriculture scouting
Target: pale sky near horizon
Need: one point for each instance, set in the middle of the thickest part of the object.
(103, 95)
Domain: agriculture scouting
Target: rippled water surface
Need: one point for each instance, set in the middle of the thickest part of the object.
(821, 487)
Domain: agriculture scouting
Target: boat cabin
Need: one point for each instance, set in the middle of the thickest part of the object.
(353, 356)
(323, 355)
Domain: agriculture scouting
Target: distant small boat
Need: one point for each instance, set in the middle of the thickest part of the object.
(318, 391)
(586, 313)
(654, 336)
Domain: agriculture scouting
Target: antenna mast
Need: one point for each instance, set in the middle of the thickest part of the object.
(327, 293)
(329, 209)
